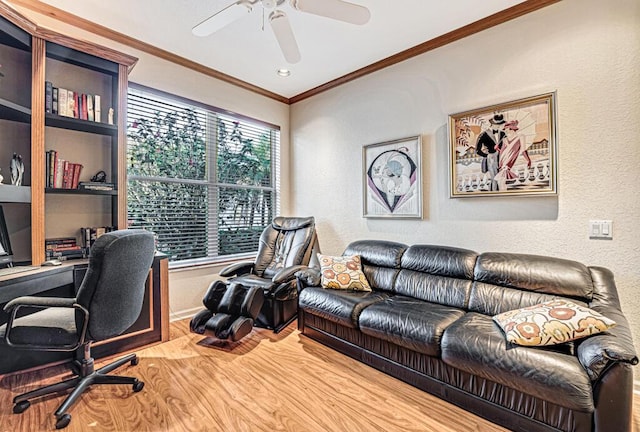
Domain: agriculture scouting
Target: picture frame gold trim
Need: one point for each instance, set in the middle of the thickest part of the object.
(392, 179)
(506, 149)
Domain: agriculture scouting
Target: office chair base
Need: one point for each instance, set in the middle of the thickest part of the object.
(79, 384)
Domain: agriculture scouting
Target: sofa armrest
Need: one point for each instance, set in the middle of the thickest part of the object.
(238, 268)
(596, 353)
(309, 277)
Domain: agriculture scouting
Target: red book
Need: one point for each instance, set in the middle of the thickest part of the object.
(76, 105)
(77, 168)
(84, 106)
(66, 178)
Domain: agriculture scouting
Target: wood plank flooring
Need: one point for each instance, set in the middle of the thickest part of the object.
(266, 382)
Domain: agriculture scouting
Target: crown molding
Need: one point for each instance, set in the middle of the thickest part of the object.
(498, 18)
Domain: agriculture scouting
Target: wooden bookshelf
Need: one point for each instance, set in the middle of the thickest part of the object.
(31, 56)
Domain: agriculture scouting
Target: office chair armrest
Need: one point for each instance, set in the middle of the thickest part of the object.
(39, 302)
(238, 268)
(14, 305)
(287, 274)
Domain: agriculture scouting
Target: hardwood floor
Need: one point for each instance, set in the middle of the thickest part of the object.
(266, 382)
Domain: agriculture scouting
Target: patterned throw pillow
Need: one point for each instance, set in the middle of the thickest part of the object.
(342, 272)
(551, 323)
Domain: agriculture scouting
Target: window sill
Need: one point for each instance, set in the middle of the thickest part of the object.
(205, 263)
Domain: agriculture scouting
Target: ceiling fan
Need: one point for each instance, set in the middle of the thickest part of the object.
(335, 9)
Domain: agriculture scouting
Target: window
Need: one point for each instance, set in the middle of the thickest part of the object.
(203, 180)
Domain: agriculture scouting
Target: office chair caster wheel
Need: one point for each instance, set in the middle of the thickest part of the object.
(63, 421)
(135, 361)
(137, 386)
(21, 407)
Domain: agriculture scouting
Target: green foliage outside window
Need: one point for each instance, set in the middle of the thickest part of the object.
(170, 192)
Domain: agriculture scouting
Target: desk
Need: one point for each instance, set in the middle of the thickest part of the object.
(37, 281)
(152, 324)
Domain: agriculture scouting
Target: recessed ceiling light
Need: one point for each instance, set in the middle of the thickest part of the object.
(283, 72)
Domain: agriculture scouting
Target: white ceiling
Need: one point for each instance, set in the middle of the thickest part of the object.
(329, 48)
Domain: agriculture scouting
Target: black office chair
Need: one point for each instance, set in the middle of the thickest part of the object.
(286, 246)
(108, 302)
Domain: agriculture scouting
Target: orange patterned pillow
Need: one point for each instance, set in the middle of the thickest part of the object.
(342, 272)
(550, 323)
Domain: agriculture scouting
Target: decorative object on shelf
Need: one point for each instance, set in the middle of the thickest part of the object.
(1, 178)
(17, 170)
(504, 149)
(99, 177)
(110, 118)
(392, 183)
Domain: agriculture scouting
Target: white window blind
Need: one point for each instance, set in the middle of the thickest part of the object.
(203, 180)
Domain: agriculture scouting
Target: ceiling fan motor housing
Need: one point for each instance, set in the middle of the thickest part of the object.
(271, 4)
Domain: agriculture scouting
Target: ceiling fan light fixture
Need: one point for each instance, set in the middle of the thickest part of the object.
(283, 72)
(334, 9)
(226, 16)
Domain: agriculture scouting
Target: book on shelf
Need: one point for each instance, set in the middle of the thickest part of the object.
(48, 96)
(68, 103)
(54, 100)
(90, 111)
(90, 234)
(101, 186)
(61, 173)
(63, 103)
(96, 108)
(73, 104)
(64, 248)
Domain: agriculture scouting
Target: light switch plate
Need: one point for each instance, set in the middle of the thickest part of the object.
(601, 229)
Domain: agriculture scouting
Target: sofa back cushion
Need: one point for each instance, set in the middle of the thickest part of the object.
(437, 274)
(507, 281)
(380, 261)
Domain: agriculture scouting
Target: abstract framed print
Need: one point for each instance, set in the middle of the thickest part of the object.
(392, 179)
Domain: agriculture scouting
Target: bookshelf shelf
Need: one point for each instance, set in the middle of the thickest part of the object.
(80, 191)
(14, 112)
(61, 122)
(15, 194)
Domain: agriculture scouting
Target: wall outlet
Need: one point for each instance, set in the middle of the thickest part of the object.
(601, 229)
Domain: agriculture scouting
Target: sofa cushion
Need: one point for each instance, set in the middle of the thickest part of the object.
(440, 260)
(475, 344)
(380, 261)
(342, 272)
(408, 322)
(535, 273)
(340, 306)
(551, 323)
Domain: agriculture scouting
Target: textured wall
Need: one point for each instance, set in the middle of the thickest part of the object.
(586, 50)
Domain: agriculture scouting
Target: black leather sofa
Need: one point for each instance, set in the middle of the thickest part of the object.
(428, 321)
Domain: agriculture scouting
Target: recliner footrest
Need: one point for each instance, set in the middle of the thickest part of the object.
(231, 311)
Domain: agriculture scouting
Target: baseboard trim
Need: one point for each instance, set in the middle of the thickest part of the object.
(184, 314)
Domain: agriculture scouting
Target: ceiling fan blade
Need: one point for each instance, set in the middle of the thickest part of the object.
(222, 18)
(334, 9)
(284, 35)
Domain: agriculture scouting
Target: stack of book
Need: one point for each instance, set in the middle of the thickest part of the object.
(60, 173)
(89, 235)
(63, 248)
(68, 103)
(100, 186)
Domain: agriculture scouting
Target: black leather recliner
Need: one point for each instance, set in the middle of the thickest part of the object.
(286, 246)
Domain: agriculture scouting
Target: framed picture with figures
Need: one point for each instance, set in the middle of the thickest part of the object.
(505, 149)
(392, 179)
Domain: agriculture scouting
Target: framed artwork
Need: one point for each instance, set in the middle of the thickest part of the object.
(392, 179)
(504, 149)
